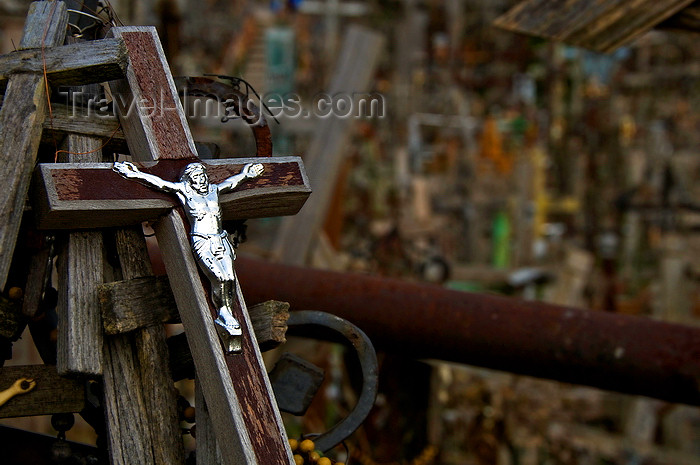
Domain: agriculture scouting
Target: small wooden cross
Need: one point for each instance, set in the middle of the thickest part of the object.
(239, 399)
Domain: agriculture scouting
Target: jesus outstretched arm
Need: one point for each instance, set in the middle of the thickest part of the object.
(130, 171)
(249, 171)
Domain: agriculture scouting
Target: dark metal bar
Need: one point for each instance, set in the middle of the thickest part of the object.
(634, 355)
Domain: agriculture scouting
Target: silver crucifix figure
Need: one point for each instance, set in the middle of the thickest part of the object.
(210, 243)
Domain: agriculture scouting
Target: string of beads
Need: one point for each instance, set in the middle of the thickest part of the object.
(305, 453)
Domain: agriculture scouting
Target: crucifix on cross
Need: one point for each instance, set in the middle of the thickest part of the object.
(210, 242)
(238, 395)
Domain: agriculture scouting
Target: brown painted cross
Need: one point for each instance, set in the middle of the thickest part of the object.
(239, 399)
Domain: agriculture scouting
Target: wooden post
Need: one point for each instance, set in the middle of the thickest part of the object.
(72, 64)
(140, 359)
(80, 271)
(332, 10)
(356, 64)
(21, 118)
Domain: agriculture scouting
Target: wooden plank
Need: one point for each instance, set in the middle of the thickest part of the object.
(125, 399)
(45, 25)
(262, 440)
(235, 441)
(67, 118)
(33, 291)
(247, 425)
(140, 359)
(69, 65)
(147, 301)
(98, 122)
(207, 451)
(124, 404)
(52, 394)
(136, 303)
(687, 19)
(149, 128)
(21, 117)
(354, 71)
(93, 196)
(600, 25)
(80, 266)
(269, 320)
(160, 396)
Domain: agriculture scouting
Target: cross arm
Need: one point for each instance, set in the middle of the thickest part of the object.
(130, 171)
(91, 195)
(249, 171)
(74, 64)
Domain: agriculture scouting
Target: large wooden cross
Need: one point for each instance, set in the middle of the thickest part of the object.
(238, 395)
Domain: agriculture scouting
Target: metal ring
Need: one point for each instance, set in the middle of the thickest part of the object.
(303, 323)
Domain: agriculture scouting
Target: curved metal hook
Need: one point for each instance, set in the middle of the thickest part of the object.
(302, 322)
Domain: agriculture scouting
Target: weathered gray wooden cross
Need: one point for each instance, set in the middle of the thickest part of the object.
(238, 395)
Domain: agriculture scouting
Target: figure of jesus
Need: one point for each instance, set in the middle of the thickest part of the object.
(210, 243)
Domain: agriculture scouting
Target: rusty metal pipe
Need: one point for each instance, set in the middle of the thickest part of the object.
(634, 355)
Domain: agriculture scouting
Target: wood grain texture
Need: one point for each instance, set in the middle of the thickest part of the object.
(269, 320)
(354, 71)
(145, 353)
(35, 282)
(21, 118)
(160, 396)
(45, 25)
(99, 122)
(207, 452)
(136, 303)
(69, 65)
(255, 394)
(600, 25)
(225, 407)
(52, 394)
(81, 265)
(92, 196)
(124, 404)
(160, 128)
